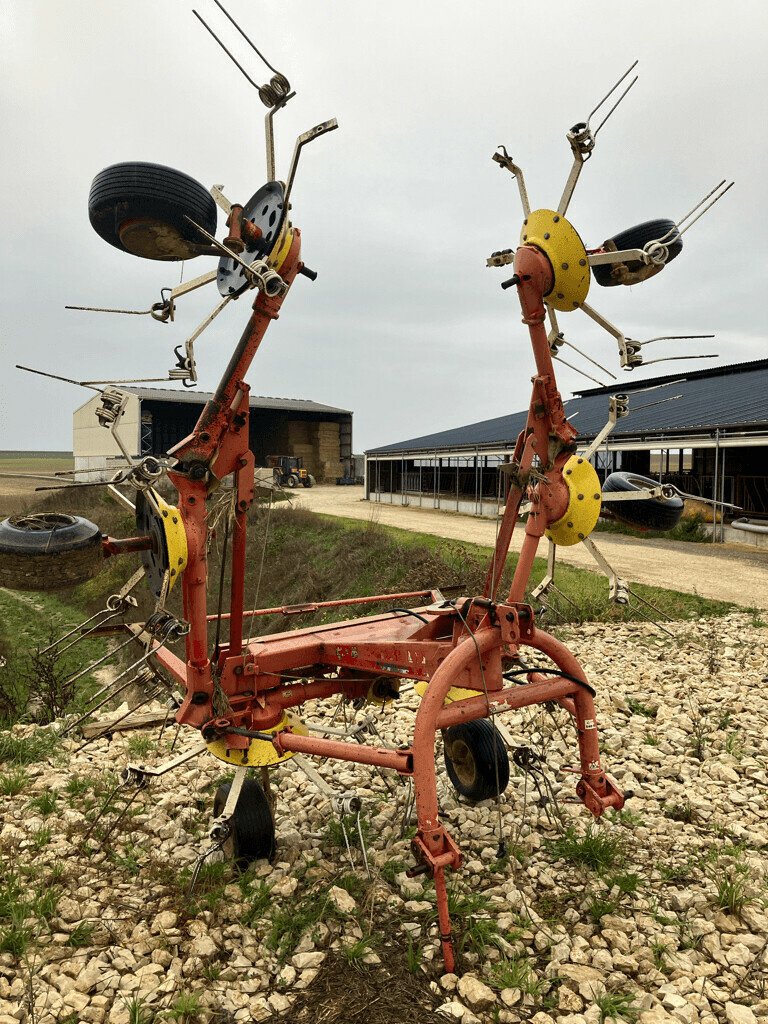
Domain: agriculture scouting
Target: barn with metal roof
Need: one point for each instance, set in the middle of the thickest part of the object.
(155, 419)
(705, 431)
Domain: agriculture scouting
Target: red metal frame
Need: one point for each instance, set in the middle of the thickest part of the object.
(461, 643)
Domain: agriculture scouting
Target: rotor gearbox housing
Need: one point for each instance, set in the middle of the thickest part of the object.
(584, 503)
(557, 238)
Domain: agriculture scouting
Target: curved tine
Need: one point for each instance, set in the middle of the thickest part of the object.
(707, 207)
(99, 661)
(671, 337)
(109, 615)
(700, 203)
(237, 64)
(577, 370)
(226, 14)
(104, 309)
(669, 359)
(73, 630)
(590, 359)
(610, 93)
(618, 101)
(55, 376)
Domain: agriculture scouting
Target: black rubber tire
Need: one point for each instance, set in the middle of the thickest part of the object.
(253, 827)
(475, 756)
(636, 238)
(138, 191)
(292, 481)
(308, 481)
(48, 551)
(647, 514)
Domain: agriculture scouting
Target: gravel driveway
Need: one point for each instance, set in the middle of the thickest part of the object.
(724, 572)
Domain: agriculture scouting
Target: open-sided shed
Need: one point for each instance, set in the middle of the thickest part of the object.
(155, 419)
(706, 431)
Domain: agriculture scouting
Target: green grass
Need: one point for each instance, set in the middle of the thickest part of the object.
(689, 529)
(12, 783)
(45, 803)
(597, 849)
(516, 973)
(731, 885)
(617, 1006)
(355, 952)
(82, 935)
(185, 1008)
(23, 750)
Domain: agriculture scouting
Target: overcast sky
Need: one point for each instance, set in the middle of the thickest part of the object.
(398, 209)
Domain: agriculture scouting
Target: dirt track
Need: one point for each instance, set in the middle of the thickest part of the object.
(725, 572)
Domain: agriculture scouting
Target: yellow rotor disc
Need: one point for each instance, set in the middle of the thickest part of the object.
(555, 236)
(584, 504)
(455, 692)
(281, 249)
(175, 537)
(260, 753)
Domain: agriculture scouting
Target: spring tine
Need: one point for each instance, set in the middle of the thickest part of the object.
(564, 596)
(673, 337)
(105, 836)
(110, 686)
(162, 727)
(590, 359)
(346, 840)
(658, 611)
(99, 661)
(110, 797)
(699, 204)
(128, 713)
(618, 101)
(73, 630)
(661, 401)
(577, 370)
(237, 64)
(670, 359)
(110, 696)
(707, 207)
(55, 376)
(611, 91)
(245, 37)
(175, 737)
(107, 617)
(362, 845)
(102, 309)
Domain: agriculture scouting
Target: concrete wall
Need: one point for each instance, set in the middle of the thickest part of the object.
(90, 438)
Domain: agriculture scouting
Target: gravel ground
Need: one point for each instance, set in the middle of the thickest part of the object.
(659, 912)
(725, 572)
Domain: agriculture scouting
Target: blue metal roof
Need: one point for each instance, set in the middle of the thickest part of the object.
(726, 398)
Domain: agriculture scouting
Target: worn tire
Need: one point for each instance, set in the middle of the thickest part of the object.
(124, 194)
(474, 755)
(48, 551)
(636, 238)
(647, 514)
(309, 482)
(292, 481)
(253, 827)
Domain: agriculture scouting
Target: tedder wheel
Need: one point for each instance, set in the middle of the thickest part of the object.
(637, 238)
(476, 759)
(309, 482)
(253, 827)
(648, 513)
(48, 551)
(140, 208)
(292, 481)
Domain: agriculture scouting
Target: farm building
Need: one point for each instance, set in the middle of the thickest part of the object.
(704, 431)
(155, 419)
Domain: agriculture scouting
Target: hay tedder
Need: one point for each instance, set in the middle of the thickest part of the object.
(471, 657)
